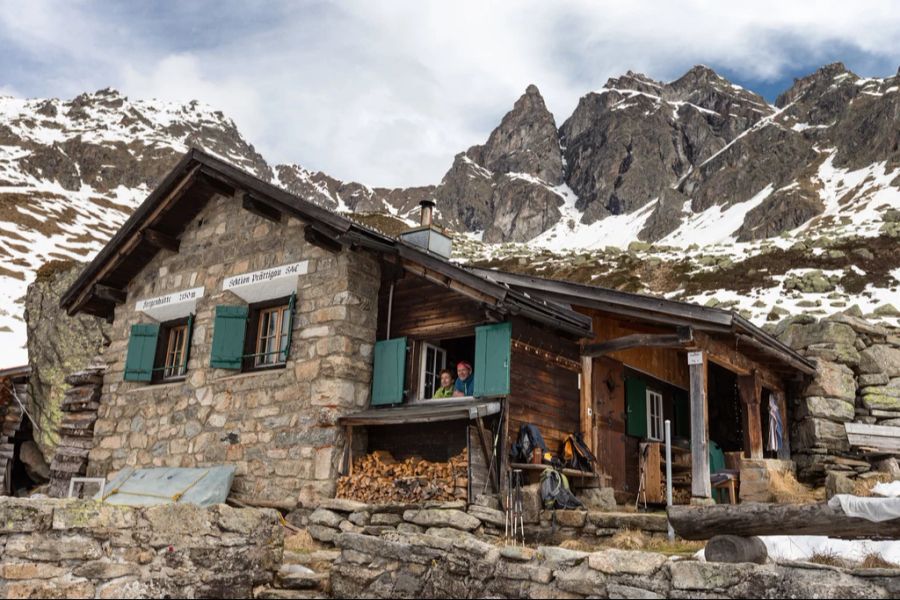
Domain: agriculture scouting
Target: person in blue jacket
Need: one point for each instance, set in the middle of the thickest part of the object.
(465, 379)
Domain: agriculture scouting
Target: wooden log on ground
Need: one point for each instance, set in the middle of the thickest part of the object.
(750, 519)
(735, 549)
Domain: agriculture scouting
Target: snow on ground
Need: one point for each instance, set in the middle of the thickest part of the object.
(802, 547)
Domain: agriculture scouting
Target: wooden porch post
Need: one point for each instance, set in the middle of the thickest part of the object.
(587, 401)
(701, 488)
(750, 389)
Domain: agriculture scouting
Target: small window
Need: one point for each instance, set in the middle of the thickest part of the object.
(269, 334)
(655, 417)
(172, 350)
(433, 360)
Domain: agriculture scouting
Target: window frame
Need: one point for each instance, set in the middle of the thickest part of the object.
(253, 351)
(655, 411)
(164, 344)
(423, 360)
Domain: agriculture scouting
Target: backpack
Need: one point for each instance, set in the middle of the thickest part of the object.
(555, 492)
(529, 438)
(576, 454)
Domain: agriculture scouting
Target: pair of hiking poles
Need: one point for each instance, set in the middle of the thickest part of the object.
(515, 509)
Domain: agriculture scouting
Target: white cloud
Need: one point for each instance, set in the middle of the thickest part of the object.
(387, 92)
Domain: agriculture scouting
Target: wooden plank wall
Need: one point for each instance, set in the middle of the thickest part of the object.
(423, 309)
(666, 364)
(543, 393)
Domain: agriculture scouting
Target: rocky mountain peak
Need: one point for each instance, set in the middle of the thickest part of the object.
(834, 74)
(526, 141)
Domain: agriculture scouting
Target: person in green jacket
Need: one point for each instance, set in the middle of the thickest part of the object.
(446, 389)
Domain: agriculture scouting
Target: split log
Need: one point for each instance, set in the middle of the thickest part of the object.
(736, 549)
(379, 478)
(750, 519)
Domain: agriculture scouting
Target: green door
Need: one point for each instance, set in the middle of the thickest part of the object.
(229, 330)
(682, 415)
(636, 407)
(141, 352)
(492, 359)
(389, 372)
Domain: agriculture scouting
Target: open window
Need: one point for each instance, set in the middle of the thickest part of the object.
(655, 416)
(433, 361)
(254, 337)
(159, 353)
(436, 355)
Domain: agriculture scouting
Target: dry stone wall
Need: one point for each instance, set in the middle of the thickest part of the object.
(84, 549)
(857, 379)
(415, 565)
(278, 427)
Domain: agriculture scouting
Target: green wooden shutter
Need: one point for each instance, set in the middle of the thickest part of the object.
(636, 407)
(228, 337)
(682, 415)
(492, 357)
(389, 375)
(189, 333)
(290, 319)
(141, 352)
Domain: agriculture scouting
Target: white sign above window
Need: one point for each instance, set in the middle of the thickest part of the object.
(266, 284)
(176, 305)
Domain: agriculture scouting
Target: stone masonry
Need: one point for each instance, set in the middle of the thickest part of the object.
(84, 549)
(416, 565)
(857, 379)
(278, 427)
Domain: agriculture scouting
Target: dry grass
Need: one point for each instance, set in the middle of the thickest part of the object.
(629, 539)
(578, 545)
(874, 560)
(829, 559)
(787, 490)
(863, 487)
(301, 542)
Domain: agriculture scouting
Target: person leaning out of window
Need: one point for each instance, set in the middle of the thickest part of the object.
(447, 387)
(465, 380)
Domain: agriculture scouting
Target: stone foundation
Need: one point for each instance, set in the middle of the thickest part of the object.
(756, 478)
(486, 520)
(430, 566)
(83, 549)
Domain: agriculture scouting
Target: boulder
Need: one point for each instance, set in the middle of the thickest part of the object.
(325, 518)
(490, 516)
(600, 499)
(834, 409)
(58, 344)
(880, 358)
(799, 335)
(837, 483)
(626, 562)
(832, 380)
(454, 518)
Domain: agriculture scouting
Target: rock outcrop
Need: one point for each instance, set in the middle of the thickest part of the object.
(57, 346)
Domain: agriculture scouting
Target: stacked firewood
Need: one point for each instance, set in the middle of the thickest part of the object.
(380, 479)
(76, 432)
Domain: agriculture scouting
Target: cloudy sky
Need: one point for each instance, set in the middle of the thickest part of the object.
(387, 92)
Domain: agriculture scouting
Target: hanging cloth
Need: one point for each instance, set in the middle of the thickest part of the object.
(776, 427)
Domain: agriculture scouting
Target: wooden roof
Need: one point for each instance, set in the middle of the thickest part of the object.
(725, 325)
(161, 218)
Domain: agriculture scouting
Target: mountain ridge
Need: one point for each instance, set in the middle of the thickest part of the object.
(672, 171)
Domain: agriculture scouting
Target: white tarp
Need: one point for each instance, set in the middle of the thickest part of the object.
(169, 485)
(870, 509)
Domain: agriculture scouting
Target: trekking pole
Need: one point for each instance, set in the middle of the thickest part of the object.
(520, 508)
(508, 503)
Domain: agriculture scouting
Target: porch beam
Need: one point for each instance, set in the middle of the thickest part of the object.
(684, 336)
(750, 388)
(258, 208)
(701, 487)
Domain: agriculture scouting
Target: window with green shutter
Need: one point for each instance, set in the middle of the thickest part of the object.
(141, 352)
(229, 330)
(636, 407)
(492, 358)
(389, 372)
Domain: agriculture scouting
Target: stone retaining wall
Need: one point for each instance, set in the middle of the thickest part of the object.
(485, 519)
(857, 379)
(84, 549)
(414, 565)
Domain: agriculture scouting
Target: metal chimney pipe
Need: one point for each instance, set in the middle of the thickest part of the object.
(427, 216)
